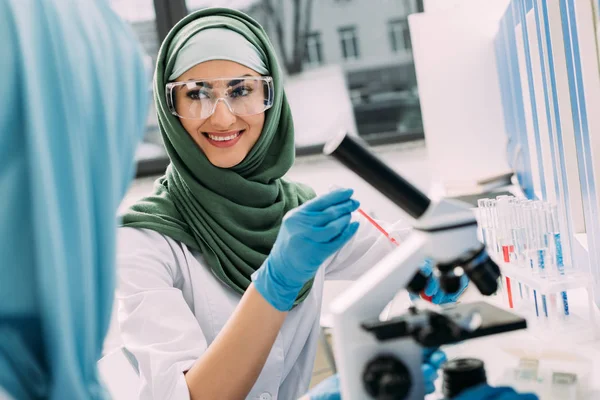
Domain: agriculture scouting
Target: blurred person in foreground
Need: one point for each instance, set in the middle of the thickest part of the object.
(73, 103)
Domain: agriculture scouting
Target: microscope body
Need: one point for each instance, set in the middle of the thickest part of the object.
(445, 233)
(381, 360)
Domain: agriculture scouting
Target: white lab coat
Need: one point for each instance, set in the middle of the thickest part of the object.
(171, 308)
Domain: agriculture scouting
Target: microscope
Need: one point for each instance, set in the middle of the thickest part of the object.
(382, 359)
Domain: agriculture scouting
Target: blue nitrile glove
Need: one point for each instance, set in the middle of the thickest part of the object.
(433, 289)
(308, 235)
(433, 359)
(329, 389)
(486, 392)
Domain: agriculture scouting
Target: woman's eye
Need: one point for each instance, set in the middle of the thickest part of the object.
(197, 94)
(240, 91)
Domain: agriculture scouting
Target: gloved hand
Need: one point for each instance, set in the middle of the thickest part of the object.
(433, 289)
(433, 359)
(308, 235)
(486, 392)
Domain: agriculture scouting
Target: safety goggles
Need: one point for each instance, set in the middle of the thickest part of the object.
(198, 99)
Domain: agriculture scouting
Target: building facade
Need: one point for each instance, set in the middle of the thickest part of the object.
(369, 39)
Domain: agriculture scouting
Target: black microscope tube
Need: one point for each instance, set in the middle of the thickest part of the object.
(356, 157)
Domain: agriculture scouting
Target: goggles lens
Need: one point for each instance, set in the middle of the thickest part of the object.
(198, 99)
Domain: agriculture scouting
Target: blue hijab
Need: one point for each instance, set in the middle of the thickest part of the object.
(73, 101)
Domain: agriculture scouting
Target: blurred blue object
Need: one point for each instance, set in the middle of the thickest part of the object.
(433, 289)
(73, 104)
(329, 389)
(433, 359)
(486, 392)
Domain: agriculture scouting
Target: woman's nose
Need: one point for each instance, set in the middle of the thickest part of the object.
(222, 117)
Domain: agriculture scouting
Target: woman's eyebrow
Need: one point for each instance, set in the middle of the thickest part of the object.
(234, 82)
(205, 82)
(198, 82)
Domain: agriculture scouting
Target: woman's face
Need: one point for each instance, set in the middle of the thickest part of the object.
(244, 131)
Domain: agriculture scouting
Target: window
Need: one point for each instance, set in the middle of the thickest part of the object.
(373, 88)
(349, 43)
(399, 35)
(313, 53)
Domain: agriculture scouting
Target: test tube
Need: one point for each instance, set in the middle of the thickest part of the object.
(504, 234)
(527, 215)
(504, 239)
(518, 231)
(519, 239)
(553, 237)
(556, 245)
(492, 230)
(482, 216)
(538, 239)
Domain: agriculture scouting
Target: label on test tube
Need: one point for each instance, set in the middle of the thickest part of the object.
(545, 305)
(559, 254)
(542, 262)
(565, 302)
(561, 269)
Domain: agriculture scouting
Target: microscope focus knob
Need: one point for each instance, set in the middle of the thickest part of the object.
(387, 378)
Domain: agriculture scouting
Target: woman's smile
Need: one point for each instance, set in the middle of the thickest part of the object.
(223, 139)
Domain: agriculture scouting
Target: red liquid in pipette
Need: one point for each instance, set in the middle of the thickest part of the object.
(376, 225)
(391, 239)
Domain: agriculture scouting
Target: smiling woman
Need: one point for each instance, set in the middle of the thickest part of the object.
(219, 294)
(224, 116)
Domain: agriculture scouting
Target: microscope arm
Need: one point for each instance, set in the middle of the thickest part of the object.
(364, 300)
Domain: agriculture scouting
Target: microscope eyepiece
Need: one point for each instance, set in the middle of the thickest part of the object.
(356, 157)
(479, 268)
(450, 282)
(483, 272)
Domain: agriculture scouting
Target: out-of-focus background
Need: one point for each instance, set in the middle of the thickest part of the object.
(354, 55)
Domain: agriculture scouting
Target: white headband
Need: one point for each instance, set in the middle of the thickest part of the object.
(218, 44)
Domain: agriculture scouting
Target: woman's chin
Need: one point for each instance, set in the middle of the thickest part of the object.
(225, 162)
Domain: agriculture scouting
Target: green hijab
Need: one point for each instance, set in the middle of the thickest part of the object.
(232, 216)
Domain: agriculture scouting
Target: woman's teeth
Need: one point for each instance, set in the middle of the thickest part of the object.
(223, 138)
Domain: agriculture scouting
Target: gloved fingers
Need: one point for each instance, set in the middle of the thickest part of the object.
(330, 231)
(340, 209)
(485, 391)
(429, 373)
(464, 283)
(516, 396)
(427, 267)
(433, 286)
(329, 389)
(327, 200)
(429, 387)
(429, 376)
(339, 241)
(528, 396)
(437, 359)
(427, 353)
(442, 297)
(322, 218)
